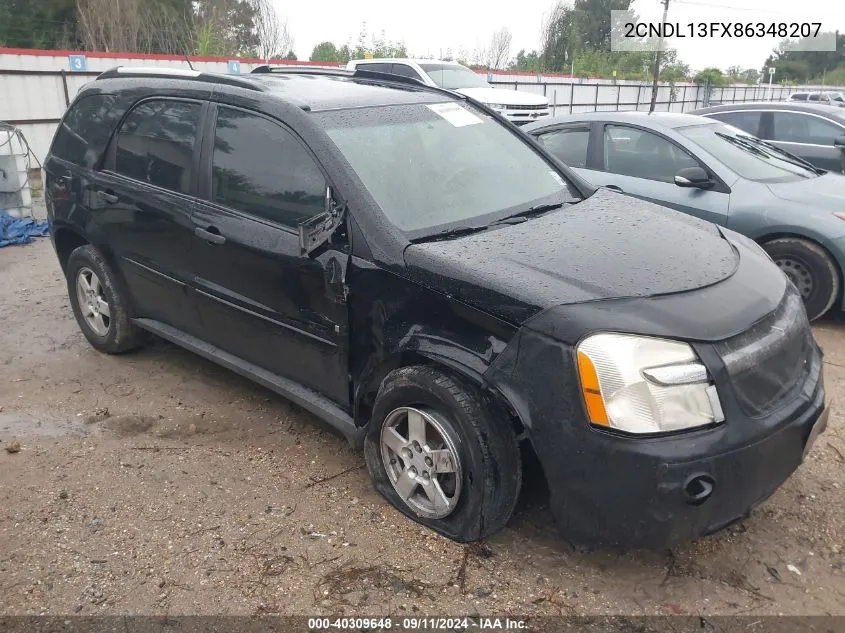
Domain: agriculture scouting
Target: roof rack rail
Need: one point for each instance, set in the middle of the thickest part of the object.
(360, 73)
(300, 70)
(179, 73)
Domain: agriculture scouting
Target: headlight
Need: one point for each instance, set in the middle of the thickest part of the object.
(639, 384)
(497, 106)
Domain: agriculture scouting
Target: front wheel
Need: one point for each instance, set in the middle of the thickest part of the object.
(811, 269)
(442, 454)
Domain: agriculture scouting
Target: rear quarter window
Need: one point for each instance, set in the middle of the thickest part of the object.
(84, 132)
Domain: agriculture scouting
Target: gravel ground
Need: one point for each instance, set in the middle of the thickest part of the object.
(157, 482)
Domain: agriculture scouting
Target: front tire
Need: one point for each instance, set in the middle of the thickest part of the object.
(100, 308)
(443, 454)
(811, 269)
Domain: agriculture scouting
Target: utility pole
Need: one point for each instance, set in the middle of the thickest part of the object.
(657, 58)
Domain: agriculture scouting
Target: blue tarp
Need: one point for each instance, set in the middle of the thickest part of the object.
(19, 230)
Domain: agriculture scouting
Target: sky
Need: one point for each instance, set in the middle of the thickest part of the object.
(435, 26)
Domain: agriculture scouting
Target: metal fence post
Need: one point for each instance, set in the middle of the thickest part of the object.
(571, 96)
(684, 99)
(596, 104)
(64, 87)
(639, 90)
(554, 104)
(618, 93)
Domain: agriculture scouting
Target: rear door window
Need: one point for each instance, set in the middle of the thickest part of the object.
(745, 120)
(794, 127)
(260, 168)
(568, 144)
(84, 132)
(156, 143)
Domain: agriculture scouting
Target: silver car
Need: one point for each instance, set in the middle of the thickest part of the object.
(719, 173)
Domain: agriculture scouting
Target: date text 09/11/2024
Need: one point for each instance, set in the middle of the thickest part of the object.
(418, 623)
(722, 29)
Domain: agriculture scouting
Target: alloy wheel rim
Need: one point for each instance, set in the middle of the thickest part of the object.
(421, 461)
(798, 274)
(92, 301)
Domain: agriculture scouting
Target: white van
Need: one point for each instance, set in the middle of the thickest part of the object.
(517, 107)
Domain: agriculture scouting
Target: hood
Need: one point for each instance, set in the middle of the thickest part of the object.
(608, 246)
(825, 193)
(503, 95)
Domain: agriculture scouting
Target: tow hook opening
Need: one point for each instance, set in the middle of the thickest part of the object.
(698, 489)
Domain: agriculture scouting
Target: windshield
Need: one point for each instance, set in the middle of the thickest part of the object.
(440, 165)
(746, 155)
(836, 96)
(453, 76)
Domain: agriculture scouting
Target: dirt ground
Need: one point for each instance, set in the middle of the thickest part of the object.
(157, 482)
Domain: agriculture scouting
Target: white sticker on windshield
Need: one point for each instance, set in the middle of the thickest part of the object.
(454, 114)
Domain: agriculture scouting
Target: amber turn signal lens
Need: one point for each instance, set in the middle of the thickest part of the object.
(591, 390)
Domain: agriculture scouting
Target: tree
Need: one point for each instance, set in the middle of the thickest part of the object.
(379, 47)
(290, 56)
(713, 76)
(572, 29)
(229, 26)
(497, 55)
(326, 52)
(46, 24)
(527, 62)
(794, 65)
(271, 31)
(142, 26)
(751, 76)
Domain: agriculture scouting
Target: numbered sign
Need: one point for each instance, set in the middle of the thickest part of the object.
(78, 63)
(234, 66)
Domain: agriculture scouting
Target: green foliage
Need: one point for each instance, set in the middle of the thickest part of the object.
(713, 76)
(835, 77)
(527, 62)
(46, 24)
(366, 45)
(792, 66)
(291, 56)
(327, 52)
(580, 27)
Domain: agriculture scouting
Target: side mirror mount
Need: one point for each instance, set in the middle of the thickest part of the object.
(839, 142)
(316, 231)
(694, 177)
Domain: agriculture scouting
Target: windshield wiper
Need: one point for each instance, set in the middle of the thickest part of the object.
(756, 146)
(791, 158)
(456, 231)
(530, 211)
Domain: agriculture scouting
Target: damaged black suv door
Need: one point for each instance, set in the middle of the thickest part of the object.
(261, 296)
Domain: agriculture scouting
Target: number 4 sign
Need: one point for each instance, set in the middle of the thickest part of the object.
(78, 63)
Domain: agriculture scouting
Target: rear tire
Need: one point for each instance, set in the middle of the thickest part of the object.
(100, 307)
(811, 269)
(467, 488)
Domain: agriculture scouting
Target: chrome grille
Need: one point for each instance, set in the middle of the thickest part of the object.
(769, 363)
(527, 107)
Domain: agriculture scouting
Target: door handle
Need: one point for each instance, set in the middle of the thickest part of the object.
(210, 235)
(105, 196)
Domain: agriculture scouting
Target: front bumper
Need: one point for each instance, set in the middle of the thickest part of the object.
(621, 491)
(654, 493)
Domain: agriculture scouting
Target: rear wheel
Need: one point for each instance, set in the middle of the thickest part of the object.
(98, 303)
(442, 454)
(811, 269)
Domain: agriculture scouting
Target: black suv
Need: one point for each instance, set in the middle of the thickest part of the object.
(421, 275)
